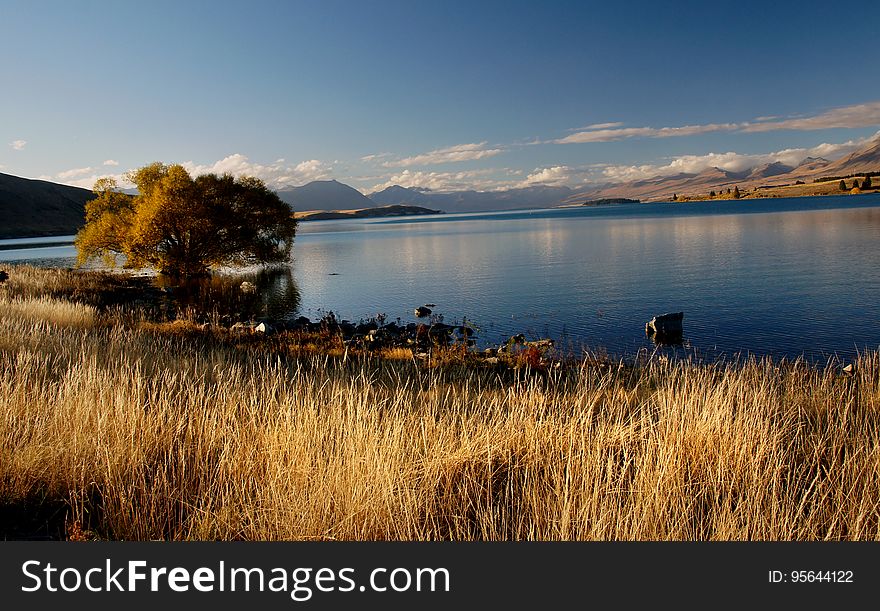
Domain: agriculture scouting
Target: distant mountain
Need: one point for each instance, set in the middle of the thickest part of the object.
(768, 170)
(866, 159)
(30, 208)
(474, 201)
(325, 195)
(812, 164)
(397, 195)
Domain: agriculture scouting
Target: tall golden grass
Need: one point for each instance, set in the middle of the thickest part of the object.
(132, 433)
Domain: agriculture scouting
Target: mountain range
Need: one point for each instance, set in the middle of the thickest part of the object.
(40, 208)
(865, 159)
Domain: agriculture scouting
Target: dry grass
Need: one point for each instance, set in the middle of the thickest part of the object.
(134, 433)
(52, 312)
(30, 281)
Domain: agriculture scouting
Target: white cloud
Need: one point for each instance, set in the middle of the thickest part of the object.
(278, 174)
(605, 125)
(111, 162)
(855, 116)
(74, 173)
(555, 176)
(452, 154)
(18, 145)
(620, 133)
(375, 157)
(441, 181)
(859, 115)
(87, 182)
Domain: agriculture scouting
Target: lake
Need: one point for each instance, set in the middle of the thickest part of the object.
(781, 277)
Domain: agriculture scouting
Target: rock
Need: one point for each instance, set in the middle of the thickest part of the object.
(263, 328)
(242, 327)
(517, 339)
(393, 328)
(347, 328)
(541, 343)
(422, 311)
(367, 327)
(849, 369)
(665, 326)
(248, 287)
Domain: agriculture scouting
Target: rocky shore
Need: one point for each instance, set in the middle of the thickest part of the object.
(376, 336)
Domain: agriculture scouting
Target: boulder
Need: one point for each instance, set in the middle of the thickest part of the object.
(541, 344)
(665, 325)
(242, 327)
(422, 311)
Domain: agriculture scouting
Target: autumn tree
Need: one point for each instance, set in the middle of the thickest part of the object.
(183, 226)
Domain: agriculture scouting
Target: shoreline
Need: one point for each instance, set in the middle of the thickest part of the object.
(174, 308)
(350, 214)
(191, 433)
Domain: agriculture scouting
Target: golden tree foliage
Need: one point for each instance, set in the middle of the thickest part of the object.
(183, 225)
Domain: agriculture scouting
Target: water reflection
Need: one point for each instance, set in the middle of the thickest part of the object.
(780, 277)
(230, 297)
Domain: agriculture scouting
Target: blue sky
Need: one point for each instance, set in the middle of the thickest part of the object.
(444, 95)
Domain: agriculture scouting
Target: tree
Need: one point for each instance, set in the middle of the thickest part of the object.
(711, 193)
(866, 184)
(735, 192)
(842, 185)
(184, 226)
(855, 184)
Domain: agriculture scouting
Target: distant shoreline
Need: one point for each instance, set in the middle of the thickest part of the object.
(783, 192)
(816, 189)
(364, 213)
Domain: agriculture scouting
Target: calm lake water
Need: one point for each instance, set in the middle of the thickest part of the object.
(784, 277)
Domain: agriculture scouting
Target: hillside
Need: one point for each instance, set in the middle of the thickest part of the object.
(774, 174)
(866, 159)
(30, 208)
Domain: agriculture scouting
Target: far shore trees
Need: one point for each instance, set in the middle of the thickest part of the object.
(866, 184)
(842, 185)
(183, 226)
